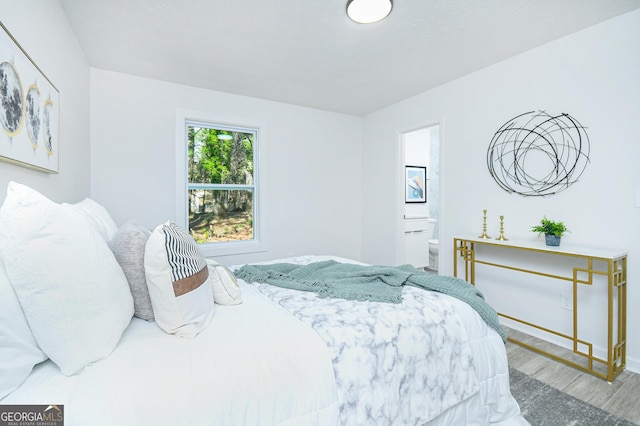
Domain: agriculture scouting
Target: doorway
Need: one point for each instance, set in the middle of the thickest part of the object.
(420, 220)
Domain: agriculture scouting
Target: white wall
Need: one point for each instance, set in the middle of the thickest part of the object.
(41, 28)
(592, 75)
(312, 178)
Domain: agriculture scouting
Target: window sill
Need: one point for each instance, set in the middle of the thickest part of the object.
(231, 248)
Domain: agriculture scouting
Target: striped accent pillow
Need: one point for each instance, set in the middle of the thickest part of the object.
(178, 280)
(188, 266)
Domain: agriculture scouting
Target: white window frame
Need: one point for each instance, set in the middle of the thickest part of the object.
(223, 248)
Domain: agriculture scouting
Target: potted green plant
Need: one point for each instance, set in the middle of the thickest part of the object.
(551, 229)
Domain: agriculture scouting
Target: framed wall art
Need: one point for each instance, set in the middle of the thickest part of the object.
(537, 154)
(29, 110)
(415, 184)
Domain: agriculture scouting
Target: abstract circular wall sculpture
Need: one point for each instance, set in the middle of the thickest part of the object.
(536, 154)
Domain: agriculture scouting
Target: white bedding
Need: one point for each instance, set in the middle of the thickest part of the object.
(290, 360)
(254, 365)
(432, 360)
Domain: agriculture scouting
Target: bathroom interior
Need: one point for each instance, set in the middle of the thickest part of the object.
(421, 148)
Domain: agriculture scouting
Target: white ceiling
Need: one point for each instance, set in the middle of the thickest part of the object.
(307, 52)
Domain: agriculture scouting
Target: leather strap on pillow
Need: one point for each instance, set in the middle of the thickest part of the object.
(190, 283)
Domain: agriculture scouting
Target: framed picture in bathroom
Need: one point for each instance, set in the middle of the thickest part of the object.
(415, 184)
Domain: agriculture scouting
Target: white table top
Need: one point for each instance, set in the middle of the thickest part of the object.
(539, 245)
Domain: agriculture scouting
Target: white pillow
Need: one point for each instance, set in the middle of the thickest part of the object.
(178, 280)
(71, 289)
(97, 216)
(19, 351)
(128, 245)
(226, 290)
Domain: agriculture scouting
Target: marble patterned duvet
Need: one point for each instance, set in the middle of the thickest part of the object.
(407, 364)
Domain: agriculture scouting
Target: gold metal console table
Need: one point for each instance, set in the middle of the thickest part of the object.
(583, 266)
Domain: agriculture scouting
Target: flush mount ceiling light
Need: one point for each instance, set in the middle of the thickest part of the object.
(368, 11)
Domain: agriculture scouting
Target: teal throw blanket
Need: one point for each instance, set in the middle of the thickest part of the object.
(373, 283)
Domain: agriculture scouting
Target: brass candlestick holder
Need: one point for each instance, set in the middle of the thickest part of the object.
(484, 226)
(501, 236)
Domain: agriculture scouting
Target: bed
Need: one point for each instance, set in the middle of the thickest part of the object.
(271, 356)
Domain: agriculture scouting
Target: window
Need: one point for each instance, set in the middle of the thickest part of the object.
(221, 186)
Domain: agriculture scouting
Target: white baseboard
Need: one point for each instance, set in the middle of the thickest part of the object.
(632, 363)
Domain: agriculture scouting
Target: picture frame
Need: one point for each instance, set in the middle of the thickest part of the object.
(415, 184)
(29, 110)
